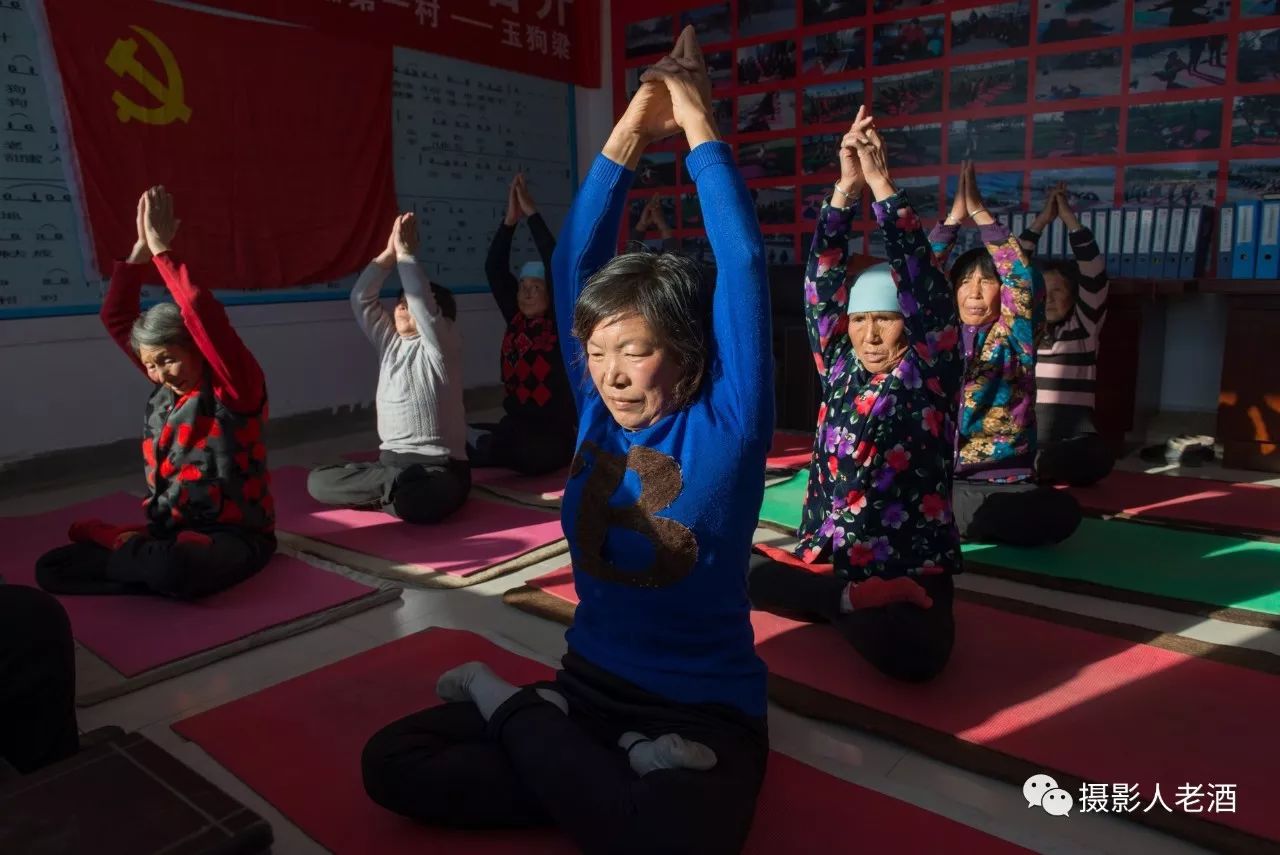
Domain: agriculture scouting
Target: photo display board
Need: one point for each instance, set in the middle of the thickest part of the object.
(1130, 102)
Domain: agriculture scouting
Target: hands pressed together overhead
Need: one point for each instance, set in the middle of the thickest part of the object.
(862, 162)
(402, 243)
(968, 199)
(1057, 205)
(156, 225)
(519, 201)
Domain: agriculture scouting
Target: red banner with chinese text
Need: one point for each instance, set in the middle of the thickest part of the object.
(555, 39)
(274, 140)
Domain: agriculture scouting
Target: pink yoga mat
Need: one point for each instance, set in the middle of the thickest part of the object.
(1103, 709)
(136, 634)
(790, 450)
(309, 767)
(1220, 504)
(549, 486)
(479, 535)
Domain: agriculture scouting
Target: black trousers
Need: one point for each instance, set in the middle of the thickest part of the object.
(532, 765)
(1023, 514)
(157, 565)
(901, 640)
(1080, 461)
(416, 490)
(529, 446)
(37, 680)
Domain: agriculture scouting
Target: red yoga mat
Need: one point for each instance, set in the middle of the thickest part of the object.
(312, 729)
(506, 482)
(1219, 505)
(1100, 708)
(479, 535)
(136, 634)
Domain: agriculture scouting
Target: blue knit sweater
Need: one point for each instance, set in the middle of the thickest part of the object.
(660, 520)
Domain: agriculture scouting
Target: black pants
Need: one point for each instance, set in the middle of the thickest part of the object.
(417, 490)
(532, 765)
(157, 565)
(1080, 461)
(1023, 514)
(530, 447)
(901, 640)
(37, 680)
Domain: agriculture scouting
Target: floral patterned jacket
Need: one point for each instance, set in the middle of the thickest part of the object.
(998, 411)
(879, 495)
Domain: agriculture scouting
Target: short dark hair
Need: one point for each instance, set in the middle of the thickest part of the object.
(444, 299)
(667, 290)
(975, 259)
(1067, 268)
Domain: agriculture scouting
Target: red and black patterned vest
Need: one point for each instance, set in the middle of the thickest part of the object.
(206, 466)
(532, 370)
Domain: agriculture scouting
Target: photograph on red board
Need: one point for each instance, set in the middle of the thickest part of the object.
(1260, 8)
(1076, 133)
(1253, 179)
(780, 250)
(775, 206)
(987, 139)
(907, 94)
(1156, 14)
(699, 249)
(632, 81)
(720, 68)
(989, 84)
(757, 17)
(1190, 63)
(820, 154)
(656, 169)
(1175, 126)
(1078, 74)
(811, 198)
(991, 28)
(895, 5)
(1170, 184)
(1257, 61)
(1068, 20)
(915, 145)
(690, 211)
(722, 108)
(1088, 187)
(666, 210)
(1255, 120)
(770, 159)
(825, 11)
(711, 23)
(650, 36)
(923, 192)
(832, 102)
(837, 52)
(767, 111)
(1001, 191)
(766, 63)
(911, 40)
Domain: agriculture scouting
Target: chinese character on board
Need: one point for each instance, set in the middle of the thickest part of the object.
(511, 34)
(1189, 796)
(362, 5)
(1158, 798)
(513, 5)
(1224, 798)
(536, 38)
(1094, 798)
(428, 11)
(1124, 798)
(546, 9)
(559, 45)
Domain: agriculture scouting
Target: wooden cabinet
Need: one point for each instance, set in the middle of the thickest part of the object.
(1249, 401)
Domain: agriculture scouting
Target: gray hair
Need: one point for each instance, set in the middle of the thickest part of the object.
(159, 326)
(668, 292)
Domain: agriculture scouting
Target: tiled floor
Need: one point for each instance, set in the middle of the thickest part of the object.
(872, 762)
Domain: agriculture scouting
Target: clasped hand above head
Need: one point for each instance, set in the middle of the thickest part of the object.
(674, 96)
(402, 243)
(967, 203)
(156, 225)
(862, 162)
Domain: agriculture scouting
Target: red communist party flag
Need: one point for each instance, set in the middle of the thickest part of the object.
(274, 140)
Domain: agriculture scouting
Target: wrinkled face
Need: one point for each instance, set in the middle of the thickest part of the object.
(532, 298)
(879, 339)
(634, 374)
(177, 366)
(405, 324)
(1058, 299)
(978, 298)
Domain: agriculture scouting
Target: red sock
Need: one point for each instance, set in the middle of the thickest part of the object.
(96, 531)
(875, 593)
(782, 556)
(193, 538)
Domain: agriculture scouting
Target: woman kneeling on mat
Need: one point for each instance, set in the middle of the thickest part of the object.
(537, 433)
(210, 520)
(422, 474)
(1070, 449)
(1001, 305)
(652, 738)
(879, 501)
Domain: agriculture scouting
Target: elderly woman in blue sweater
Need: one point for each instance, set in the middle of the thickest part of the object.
(652, 737)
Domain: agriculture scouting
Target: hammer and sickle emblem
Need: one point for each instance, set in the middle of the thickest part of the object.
(123, 60)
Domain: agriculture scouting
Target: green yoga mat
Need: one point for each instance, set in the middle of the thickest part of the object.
(1191, 571)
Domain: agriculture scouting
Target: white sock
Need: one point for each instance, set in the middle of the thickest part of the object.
(476, 682)
(669, 751)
